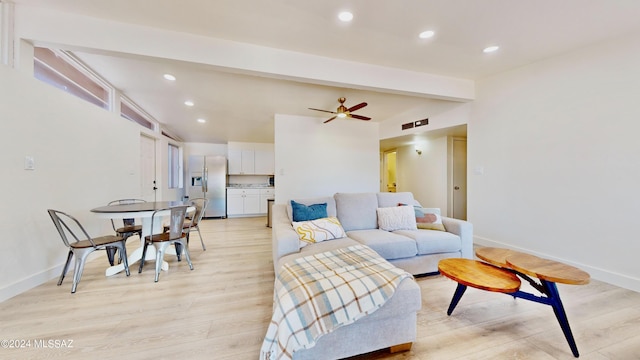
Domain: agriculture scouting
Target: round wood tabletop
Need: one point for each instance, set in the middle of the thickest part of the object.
(548, 270)
(493, 255)
(479, 275)
(532, 265)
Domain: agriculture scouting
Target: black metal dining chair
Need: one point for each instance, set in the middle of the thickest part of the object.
(176, 235)
(80, 244)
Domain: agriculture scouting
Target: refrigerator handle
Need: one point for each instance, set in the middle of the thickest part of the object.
(205, 180)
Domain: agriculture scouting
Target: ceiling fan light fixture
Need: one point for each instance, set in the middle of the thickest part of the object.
(342, 115)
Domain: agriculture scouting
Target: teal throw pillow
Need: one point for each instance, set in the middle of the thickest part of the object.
(303, 212)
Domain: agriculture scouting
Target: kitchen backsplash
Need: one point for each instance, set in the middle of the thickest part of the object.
(248, 181)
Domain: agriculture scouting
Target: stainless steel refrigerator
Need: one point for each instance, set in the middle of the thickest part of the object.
(209, 180)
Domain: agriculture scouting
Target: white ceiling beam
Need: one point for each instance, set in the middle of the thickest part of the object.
(76, 32)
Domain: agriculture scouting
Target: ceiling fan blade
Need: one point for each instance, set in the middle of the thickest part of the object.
(360, 117)
(356, 107)
(327, 111)
(330, 119)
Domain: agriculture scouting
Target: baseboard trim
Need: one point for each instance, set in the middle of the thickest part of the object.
(29, 282)
(596, 273)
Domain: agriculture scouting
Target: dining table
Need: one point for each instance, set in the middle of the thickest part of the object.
(143, 211)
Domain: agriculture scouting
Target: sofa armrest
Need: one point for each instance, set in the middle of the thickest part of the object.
(464, 229)
(284, 239)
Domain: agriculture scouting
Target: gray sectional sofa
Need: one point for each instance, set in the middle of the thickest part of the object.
(415, 251)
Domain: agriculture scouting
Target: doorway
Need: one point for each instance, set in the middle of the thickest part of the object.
(389, 172)
(459, 179)
(148, 184)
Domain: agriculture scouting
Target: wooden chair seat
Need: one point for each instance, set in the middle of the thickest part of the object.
(129, 229)
(98, 241)
(161, 237)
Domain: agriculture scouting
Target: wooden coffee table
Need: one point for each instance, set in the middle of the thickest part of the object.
(478, 275)
(502, 273)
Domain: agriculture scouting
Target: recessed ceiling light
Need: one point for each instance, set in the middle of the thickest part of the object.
(345, 16)
(202, 121)
(426, 34)
(169, 77)
(490, 49)
(189, 103)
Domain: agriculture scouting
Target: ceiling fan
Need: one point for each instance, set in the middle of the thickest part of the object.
(342, 111)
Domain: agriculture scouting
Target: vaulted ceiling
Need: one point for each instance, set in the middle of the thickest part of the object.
(240, 107)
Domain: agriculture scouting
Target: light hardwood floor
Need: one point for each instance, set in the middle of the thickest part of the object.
(221, 310)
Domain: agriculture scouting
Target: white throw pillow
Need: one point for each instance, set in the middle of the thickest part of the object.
(396, 218)
(313, 231)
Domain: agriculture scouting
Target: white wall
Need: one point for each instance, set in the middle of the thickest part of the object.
(315, 159)
(557, 141)
(425, 175)
(441, 114)
(205, 149)
(84, 157)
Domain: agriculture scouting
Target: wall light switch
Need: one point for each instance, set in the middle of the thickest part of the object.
(29, 163)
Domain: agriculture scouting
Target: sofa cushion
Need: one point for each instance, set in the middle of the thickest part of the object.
(432, 241)
(357, 211)
(302, 212)
(387, 199)
(315, 231)
(331, 205)
(396, 218)
(388, 244)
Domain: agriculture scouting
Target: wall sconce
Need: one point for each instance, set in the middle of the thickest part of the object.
(418, 151)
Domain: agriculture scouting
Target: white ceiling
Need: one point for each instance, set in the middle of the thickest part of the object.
(383, 32)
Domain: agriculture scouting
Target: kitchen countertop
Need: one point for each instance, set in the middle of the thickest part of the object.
(249, 186)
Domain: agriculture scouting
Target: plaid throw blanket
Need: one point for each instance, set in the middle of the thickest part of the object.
(316, 294)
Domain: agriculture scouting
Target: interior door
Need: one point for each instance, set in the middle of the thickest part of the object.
(460, 179)
(148, 184)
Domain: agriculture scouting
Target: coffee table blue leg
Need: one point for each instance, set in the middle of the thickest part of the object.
(552, 299)
(558, 309)
(456, 297)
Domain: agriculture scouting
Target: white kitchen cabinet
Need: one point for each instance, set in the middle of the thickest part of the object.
(264, 161)
(243, 202)
(264, 195)
(252, 204)
(251, 158)
(235, 203)
(241, 162)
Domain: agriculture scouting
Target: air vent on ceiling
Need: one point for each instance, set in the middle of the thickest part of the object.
(422, 122)
(407, 126)
(417, 123)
